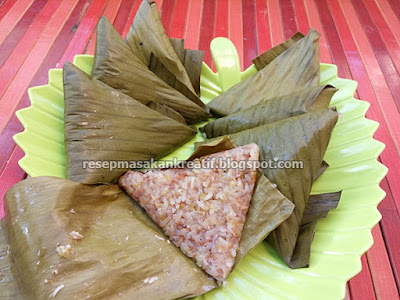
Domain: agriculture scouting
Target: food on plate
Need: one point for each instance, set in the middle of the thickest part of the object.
(147, 36)
(117, 66)
(177, 232)
(122, 255)
(268, 56)
(103, 124)
(271, 110)
(296, 68)
(202, 210)
(304, 139)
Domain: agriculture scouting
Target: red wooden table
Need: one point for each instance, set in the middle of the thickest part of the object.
(361, 37)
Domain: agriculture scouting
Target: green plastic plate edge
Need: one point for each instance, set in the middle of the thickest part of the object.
(340, 239)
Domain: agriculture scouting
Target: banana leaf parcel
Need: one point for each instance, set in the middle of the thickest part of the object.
(77, 241)
(297, 67)
(203, 210)
(147, 36)
(116, 65)
(304, 139)
(74, 241)
(102, 124)
(271, 110)
(268, 56)
(191, 60)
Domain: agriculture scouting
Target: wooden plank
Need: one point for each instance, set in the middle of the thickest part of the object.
(333, 40)
(263, 31)
(275, 22)
(20, 51)
(361, 287)
(315, 22)
(19, 30)
(178, 25)
(207, 29)
(193, 24)
(84, 30)
(222, 19)
(288, 18)
(167, 10)
(348, 294)
(384, 99)
(5, 7)
(236, 27)
(12, 17)
(382, 54)
(249, 32)
(136, 5)
(390, 224)
(381, 270)
(50, 61)
(110, 12)
(32, 63)
(395, 7)
(11, 175)
(123, 14)
(390, 17)
(301, 16)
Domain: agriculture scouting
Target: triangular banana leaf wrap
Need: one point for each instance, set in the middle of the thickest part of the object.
(191, 60)
(271, 110)
(158, 68)
(303, 138)
(297, 67)
(193, 63)
(116, 251)
(117, 66)
(147, 36)
(179, 47)
(102, 124)
(264, 59)
(268, 207)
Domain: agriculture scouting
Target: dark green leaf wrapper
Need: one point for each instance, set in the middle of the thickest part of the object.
(269, 55)
(271, 110)
(301, 138)
(297, 67)
(120, 247)
(116, 65)
(102, 124)
(147, 36)
(268, 207)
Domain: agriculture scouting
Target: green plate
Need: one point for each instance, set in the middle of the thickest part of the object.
(340, 239)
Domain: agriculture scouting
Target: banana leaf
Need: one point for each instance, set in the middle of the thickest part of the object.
(115, 251)
(191, 60)
(303, 138)
(267, 210)
(268, 56)
(102, 124)
(158, 68)
(317, 208)
(268, 207)
(117, 66)
(193, 63)
(319, 205)
(179, 47)
(147, 36)
(297, 67)
(271, 110)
